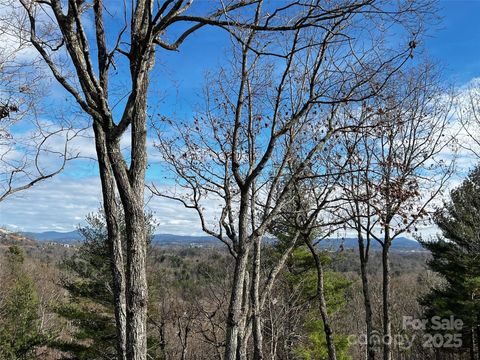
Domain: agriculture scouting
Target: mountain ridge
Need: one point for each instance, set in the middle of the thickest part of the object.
(401, 243)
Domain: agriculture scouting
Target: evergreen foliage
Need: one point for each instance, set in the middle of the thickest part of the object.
(20, 334)
(88, 279)
(455, 256)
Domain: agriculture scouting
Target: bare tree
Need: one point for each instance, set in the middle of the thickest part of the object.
(32, 149)
(276, 103)
(400, 165)
(469, 118)
(82, 63)
(307, 216)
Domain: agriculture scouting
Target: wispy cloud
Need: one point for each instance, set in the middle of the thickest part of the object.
(54, 205)
(62, 203)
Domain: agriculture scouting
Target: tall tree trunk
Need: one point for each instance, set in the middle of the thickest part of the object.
(366, 296)
(477, 332)
(184, 342)
(131, 184)
(472, 344)
(114, 239)
(387, 326)
(137, 294)
(163, 339)
(255, 299)
(322, 303)
(244, 331)
(235, 310)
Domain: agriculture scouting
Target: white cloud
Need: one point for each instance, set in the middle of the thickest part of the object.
(52, 205)
(62, 203)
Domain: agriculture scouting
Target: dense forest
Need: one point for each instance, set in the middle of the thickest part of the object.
(57, 300)
(65, 296)
(320, 136)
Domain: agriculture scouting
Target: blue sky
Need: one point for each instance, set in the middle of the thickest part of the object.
(455, 41)
(62, 203)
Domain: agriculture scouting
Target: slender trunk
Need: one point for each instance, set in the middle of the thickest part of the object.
(184, 353)
(244, 330)
(236, 318)
(387, 326)
(274, 334)
(472, 344)
(185, 343)
(322, 303)
(137, 291)
(366, 297)
(478, 340)
(235, 311)
(114, 240)
(244, 336)
(163, 340)
(364, 250)
(290, 340)
(255, 299)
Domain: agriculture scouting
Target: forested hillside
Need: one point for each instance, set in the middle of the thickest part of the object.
(74, 312)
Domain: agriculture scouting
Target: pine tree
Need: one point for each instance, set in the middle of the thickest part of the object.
(302, 271)
(300, 277)
(20, 333)
(89, 281)
(455, 256)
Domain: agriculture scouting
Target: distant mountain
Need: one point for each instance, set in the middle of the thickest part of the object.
(170, 239)
(399, 244)
(55, 236)
(160, 239)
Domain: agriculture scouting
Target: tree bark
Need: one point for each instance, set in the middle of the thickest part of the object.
(322, 303)
(387, 326)
(366, 296)
(114, 239)
(131, 186)
(137, 294)
(477, 332)
(244, 331)
(237, 310)
(256, 306)
(234, 318)
(472, 344)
